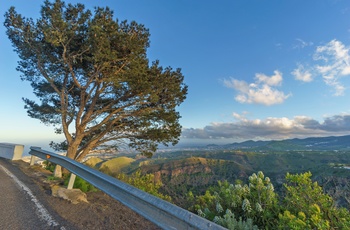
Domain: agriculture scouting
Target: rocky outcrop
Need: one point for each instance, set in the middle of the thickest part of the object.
(73, 195)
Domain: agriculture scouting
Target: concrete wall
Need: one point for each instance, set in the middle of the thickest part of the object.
(11, 151)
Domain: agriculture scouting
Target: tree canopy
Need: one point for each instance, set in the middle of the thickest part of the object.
(94, 81)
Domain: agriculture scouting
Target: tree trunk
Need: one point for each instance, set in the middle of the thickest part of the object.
(73, 148)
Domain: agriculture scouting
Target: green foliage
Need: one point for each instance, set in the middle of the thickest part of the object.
(303, 206)
(81, 184)
(256, 201)
(308, 207)
(146, 183)
(93, 80)
(236, 164)
(53, 178)
(301, 193)
(229, 221)
(290, 221)
(49, 166)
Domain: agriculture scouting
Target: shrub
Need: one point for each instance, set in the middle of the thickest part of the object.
(308, 207)
(229, 221)
(256, 202)
(303, 206)
(49, 166)
(81, 184)
(146, 183)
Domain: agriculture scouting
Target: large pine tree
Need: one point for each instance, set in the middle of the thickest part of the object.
(93, 80)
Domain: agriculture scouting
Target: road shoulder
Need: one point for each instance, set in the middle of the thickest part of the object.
(102, 211)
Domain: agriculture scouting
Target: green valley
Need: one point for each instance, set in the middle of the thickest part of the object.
(184, 173)
(196, 170)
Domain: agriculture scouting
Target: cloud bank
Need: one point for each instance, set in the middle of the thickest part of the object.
(271, 128)
(262, 91)
(332, 63)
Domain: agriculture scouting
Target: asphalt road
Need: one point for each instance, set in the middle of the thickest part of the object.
(20, 203)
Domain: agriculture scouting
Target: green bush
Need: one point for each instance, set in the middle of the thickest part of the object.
(256, 202)
(304, 205)
(308, 207)
(145, 183)
(49, 166)
(81, 184)
(229, 221)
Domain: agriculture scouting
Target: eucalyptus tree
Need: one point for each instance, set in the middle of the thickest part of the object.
(94, 81)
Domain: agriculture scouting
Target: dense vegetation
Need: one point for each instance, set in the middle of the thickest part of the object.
(196, 170)
(297, 189)
(216, 185)
(145, 182)
(304, 205)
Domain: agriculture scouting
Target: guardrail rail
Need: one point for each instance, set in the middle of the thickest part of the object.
(160, 212)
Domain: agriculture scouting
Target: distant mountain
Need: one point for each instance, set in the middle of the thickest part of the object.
(311, 143)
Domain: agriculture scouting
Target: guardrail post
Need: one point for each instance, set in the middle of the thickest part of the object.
(33, 158)
(58, 171)
(71, 181)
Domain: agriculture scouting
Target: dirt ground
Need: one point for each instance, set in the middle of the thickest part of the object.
(102, 211)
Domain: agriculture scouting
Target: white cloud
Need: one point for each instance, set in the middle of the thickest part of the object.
(333, 51)
(271, 128)
(274, 80)
(241, 117)
(345, 71)
(324, 69)
(259, 92)
(302, 44)
(302, 74)
(333, 63)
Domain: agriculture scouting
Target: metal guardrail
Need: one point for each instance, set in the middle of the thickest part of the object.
(160, 212)
(11, 151)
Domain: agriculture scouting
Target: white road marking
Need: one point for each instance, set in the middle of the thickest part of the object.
(42, 211)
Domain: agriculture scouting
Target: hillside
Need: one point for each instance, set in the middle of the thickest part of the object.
(312, 143)
(113, 166)
(93, 161)
(195, 170)
(193, 174)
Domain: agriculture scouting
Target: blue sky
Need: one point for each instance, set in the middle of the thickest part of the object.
(255, 69)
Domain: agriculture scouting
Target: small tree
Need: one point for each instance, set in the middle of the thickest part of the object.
(94, 81)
